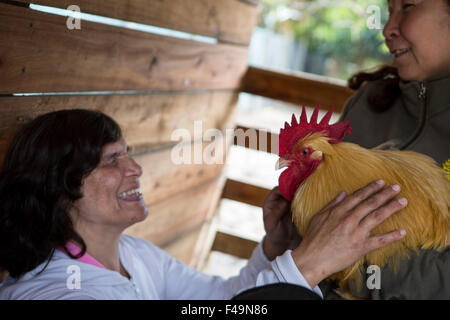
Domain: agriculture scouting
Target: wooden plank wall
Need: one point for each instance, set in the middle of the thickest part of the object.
(150, 84)
(297, 87)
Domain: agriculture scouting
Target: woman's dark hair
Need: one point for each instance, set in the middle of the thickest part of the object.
(40, 179)
(384, 92)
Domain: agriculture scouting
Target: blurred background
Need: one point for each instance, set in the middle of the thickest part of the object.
(332, 38)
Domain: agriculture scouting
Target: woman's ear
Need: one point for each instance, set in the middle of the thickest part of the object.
(72, 210)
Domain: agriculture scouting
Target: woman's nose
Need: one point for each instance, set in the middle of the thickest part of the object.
(391, 29)
(133, 168)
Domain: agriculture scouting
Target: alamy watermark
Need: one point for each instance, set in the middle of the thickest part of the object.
(209, 147)
(73, 281)
(373, 22)
(374, 279)
(74, 19)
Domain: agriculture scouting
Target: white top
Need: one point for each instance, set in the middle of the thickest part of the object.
(154, 275)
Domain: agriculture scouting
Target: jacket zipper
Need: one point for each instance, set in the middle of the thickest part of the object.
(422, 91)
(422, 96)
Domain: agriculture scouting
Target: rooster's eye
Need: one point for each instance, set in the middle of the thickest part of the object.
(305, 152)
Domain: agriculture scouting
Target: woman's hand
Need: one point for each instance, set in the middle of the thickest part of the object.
(281, 233)
(339, 235)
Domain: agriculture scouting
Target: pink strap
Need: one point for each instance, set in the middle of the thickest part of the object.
(86, 258)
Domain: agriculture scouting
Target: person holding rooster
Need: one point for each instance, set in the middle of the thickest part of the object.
(69, 188)
(405, 106)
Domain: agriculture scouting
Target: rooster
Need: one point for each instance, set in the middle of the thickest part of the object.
(319, 166)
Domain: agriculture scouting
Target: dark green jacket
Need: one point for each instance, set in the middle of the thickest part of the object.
(423, 120)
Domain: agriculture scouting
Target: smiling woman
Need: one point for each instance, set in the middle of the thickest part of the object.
(112, 202)
(414, 32)
(42, 175)
(406, 106)
(68, 190)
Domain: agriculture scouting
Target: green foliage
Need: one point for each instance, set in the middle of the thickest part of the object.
(335, 29)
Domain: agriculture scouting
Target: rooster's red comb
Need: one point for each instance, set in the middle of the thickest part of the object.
(296, 131)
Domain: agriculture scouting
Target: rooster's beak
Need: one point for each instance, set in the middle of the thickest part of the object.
(282, 163)
(316, 155)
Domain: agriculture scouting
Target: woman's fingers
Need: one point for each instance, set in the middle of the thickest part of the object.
(375, 202)
(362, 194)
(273, 194)
(381, 240)
(341, 196)
(331, 245)
(275, 206)
(375, 218)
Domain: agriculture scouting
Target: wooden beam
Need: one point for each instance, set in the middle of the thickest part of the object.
(296, 87)
(227, 20)
(161, 178)
(182, 212)
(147, 120)
(234, 245)
(40, 54)
(265, 141)
(243, 192)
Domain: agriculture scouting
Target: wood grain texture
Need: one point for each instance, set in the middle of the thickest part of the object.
(39, 54)
(234, 245)
(297, 88)
(227, 20)
(179, 199)
(178, 214)
(147, 121)
(265, 141)
(161, 178)
(243, 192)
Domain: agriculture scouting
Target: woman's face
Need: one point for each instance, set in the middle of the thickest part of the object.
(418, 35)
(111, 194)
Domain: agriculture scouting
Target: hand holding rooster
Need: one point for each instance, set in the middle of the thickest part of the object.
(281, 233)
(320, 165)
(338, 235)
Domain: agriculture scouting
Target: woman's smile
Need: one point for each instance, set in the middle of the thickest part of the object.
(131, 195)
(401, 52)
(417, 34)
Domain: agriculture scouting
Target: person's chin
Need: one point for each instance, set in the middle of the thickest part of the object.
(141, 213)
(138, 213)
(410, 71)
(409, 74)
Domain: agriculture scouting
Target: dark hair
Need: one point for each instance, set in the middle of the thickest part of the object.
(385, 91)
(41, 177)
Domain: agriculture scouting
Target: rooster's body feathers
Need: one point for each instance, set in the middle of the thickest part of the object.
(349, 167)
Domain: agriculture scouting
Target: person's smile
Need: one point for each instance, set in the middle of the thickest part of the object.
(133, 194)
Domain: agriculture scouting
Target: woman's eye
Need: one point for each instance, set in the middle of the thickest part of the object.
(407, 6)
(113, 159)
